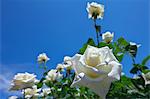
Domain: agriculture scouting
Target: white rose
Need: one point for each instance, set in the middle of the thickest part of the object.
(146, 78)
(53, 75)
(31, 93)
(67, 63)
(96, 69)
(95, 10)
(42, 58)
(45, 92)
(108, 37)
(60, 67)
(13, 97)
(23, 80)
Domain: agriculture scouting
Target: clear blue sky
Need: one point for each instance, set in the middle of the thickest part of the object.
(60, 28)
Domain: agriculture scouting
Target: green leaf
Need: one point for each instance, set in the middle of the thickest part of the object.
(122, 41)
(138, 82)
(117, 49)
(143, 68)
(134, 70)
(89, 42)
(138, 67)
(119, 57)
(103, 44)
(39, 85)
(146, 71)
(145, 60)
(118, 89)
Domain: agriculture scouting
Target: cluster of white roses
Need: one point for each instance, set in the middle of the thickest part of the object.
(26, 82)
(96, 69)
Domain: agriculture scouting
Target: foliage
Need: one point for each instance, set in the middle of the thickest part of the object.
(125, 88)
(129, 88)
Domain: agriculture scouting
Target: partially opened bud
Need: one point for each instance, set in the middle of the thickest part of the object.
(108, 37)
(60, 67)
(42, 58)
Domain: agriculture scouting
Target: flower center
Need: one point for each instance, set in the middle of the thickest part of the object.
(93, 59)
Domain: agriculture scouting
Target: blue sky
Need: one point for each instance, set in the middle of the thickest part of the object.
(60, 28)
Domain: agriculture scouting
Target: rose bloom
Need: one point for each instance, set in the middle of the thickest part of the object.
(96, 69)
(60, 67)
(42, 58)
(45, 92)
(146, 78)
(31, 93)
(67, 63)
(53, 75)
(95, 10)
(23, 80)
(108, 37)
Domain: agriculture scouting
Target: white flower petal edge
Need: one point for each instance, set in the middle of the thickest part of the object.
(116, 70)
(99, 87)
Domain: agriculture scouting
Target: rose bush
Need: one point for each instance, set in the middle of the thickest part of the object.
(93, 73)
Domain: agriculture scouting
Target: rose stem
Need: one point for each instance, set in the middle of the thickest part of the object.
(97, 36)
(45, 68)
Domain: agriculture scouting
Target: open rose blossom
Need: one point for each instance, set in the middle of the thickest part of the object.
(23, 80)
(53, 75)
(67, 63)
(42, 58)
(96, 69)
(95, 10)
(31, 93)
(45, 92)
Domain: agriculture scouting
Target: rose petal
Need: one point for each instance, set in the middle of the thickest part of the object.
(116, 70)
(100, 87)
(92, 72)
(107, 54)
